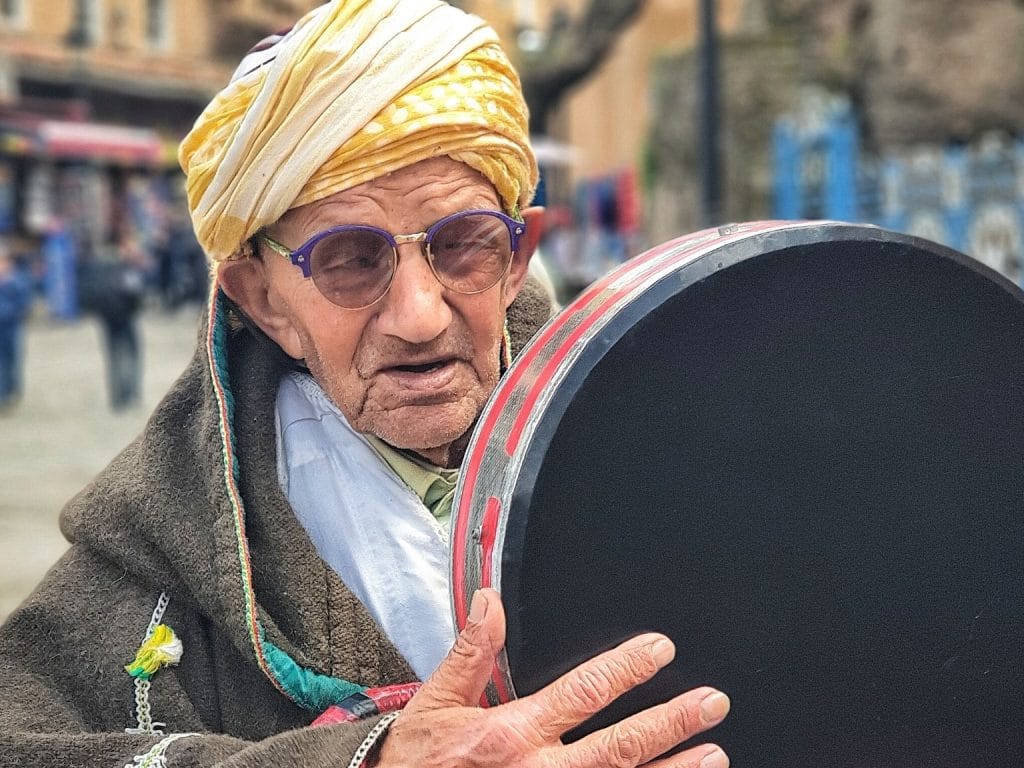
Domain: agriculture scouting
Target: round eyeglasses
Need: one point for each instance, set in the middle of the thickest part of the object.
(353, 265)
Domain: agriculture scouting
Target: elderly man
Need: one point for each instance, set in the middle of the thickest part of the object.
(273, 545)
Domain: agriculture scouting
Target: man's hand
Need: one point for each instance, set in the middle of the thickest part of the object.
(443, 726)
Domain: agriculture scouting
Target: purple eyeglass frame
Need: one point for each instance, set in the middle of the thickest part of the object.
(302, 256)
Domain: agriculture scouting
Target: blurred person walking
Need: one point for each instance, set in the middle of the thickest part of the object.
(112, 287)
(15, 302)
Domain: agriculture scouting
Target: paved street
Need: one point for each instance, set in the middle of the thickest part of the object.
(62, 433)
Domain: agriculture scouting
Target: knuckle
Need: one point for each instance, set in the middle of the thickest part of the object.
(525, 728)
(640, 664)
(682, 722)
(591, 687)
(625, 748)
(594, 686)
(465, 648)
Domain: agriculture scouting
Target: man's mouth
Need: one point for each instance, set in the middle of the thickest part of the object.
(422, 367)
(430, 376)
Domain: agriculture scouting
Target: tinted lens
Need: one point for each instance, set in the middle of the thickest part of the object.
(471, 253)
(352, 269)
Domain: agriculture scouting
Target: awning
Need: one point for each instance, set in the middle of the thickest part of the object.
(98, 141)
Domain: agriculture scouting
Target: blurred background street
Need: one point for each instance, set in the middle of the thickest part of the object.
(650, 119)
(62, 432)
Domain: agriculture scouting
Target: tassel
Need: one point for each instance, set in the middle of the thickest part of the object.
(160, 649)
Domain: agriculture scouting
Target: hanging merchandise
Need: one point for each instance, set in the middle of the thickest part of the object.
(146, 209)
(60, 284)
(40, 207)
(628, 193)
(83, 196)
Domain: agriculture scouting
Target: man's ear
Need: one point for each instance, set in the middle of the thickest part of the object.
(533, 217)
(247, 283)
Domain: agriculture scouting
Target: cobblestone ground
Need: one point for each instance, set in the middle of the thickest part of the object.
(62, 433)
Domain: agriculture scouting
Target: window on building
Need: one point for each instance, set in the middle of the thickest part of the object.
(12, 13)
(158, 23)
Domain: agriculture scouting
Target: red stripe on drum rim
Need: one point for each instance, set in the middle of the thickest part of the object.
(488, 533)
(488, 536)
(459, 573)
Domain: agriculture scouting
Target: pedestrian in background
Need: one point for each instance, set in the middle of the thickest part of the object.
(15, 302)
(120, 325)
(112, 286)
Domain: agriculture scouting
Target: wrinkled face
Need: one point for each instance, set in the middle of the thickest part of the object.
(416, 367)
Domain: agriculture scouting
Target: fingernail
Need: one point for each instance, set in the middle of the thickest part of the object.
(663, 651)
(714, 707)
(716, 759)
(477, 608)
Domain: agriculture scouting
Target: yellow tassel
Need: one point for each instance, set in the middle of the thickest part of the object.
(159, 650)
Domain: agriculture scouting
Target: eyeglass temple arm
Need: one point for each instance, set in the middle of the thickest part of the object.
(276, 246)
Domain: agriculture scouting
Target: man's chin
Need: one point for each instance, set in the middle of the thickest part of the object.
(426, 429)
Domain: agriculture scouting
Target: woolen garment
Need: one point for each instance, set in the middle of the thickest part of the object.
(192, 510)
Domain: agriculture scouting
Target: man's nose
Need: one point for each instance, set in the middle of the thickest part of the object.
(414, 308)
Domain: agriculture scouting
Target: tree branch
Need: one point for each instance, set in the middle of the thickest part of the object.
(573, 49)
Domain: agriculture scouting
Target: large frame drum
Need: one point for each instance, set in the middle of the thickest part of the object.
(795, 448)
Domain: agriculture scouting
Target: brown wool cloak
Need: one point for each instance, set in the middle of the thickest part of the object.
(191, 509)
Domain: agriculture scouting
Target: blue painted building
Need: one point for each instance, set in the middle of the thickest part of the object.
(968, 197)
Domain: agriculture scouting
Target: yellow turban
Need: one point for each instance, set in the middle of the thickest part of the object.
(357, 89)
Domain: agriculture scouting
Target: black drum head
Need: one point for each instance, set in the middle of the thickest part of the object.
(801, 462)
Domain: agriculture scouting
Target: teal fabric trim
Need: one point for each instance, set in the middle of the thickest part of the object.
(220, 359)
(305, 687)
